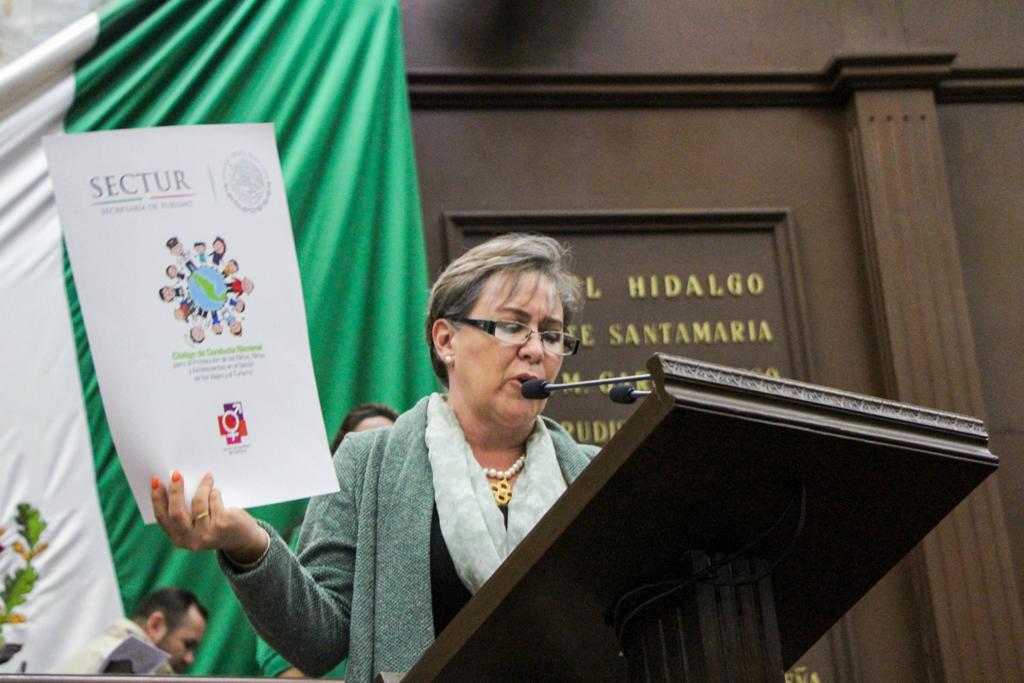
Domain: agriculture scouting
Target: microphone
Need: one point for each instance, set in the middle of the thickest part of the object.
(623, 393)
(539, 388)
(535, 389)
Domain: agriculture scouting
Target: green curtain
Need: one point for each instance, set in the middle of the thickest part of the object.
(330, 75)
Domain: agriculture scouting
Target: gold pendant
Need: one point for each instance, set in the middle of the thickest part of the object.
(502, 491)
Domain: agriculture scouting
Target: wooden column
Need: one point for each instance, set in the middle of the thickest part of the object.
(962, 572)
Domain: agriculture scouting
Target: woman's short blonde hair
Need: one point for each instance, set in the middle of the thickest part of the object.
(456, 290)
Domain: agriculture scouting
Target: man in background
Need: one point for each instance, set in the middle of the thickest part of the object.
(171, 619)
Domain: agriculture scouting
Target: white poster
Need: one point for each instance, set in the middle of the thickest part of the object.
(181, 248)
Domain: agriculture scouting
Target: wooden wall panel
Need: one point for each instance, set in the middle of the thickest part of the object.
(985, 35)
(984, 151)
(695, 36)
(962, 569)
(601, 36)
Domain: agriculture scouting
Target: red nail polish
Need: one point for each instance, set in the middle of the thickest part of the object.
(176, 477)
(155, 483)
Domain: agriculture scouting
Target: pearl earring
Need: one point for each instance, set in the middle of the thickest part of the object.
(448, 360)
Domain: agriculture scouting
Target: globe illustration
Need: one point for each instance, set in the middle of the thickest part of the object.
(207, 288)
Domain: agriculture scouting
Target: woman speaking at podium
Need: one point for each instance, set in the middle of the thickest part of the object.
(428, 508)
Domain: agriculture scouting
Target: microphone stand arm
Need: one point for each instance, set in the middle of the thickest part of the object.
(596, 382)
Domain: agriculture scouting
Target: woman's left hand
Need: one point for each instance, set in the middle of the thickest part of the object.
(206, 524)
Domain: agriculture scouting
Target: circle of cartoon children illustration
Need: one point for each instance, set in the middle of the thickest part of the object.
(205, 288)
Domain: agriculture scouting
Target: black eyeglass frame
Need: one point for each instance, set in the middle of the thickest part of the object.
(489, 326)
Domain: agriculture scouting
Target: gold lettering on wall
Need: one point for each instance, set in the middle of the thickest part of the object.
(692, 332)
(697, 286)
(587, 336)
(637, 289)
(673, 286)
(714, 289)
(584, 332)
(590, 289)
(571, 378)
(592, 431)
(800, 674)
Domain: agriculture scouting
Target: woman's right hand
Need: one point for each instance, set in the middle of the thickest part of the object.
(207, 524)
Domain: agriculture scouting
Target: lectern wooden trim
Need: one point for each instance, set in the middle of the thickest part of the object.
(705, 463)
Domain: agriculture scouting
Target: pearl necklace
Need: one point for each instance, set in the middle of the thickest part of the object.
(502, 489)
(506, 474)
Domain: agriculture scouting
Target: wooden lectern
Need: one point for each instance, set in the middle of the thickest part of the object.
(729, 523)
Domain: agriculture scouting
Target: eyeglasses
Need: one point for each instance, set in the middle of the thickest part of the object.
(512, 332)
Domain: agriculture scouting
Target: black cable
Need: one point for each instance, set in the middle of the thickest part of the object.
(743, 580)
(678, 585)
(673, 582)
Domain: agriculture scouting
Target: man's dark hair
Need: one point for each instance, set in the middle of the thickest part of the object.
(173, 602)
(357, 415)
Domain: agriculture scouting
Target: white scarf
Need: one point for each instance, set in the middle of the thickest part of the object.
(471, 523)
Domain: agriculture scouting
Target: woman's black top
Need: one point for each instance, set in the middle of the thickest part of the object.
(447, 591)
